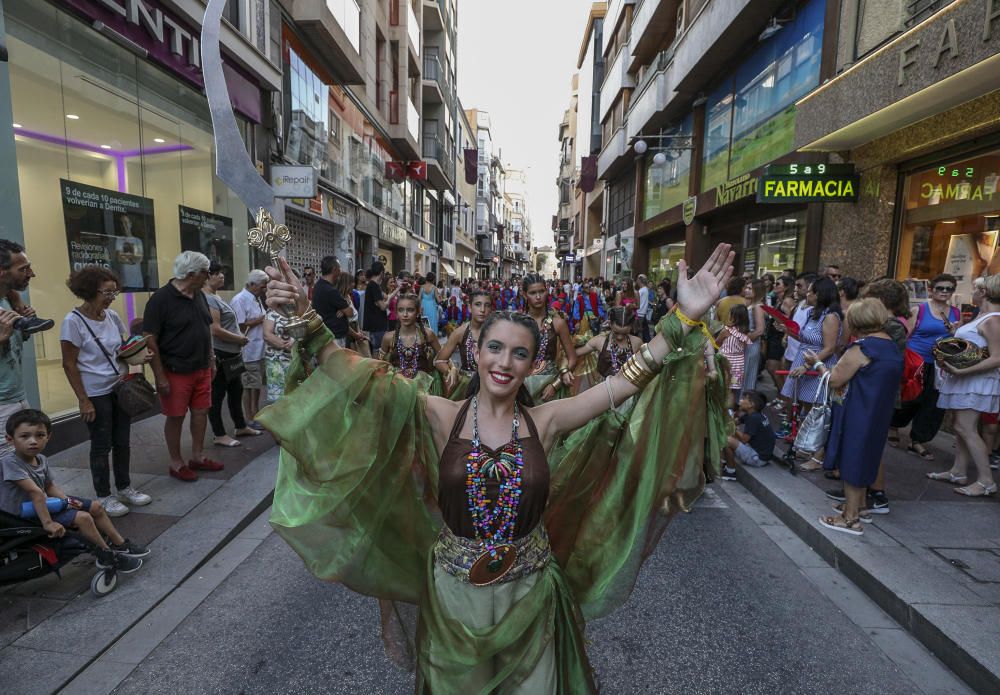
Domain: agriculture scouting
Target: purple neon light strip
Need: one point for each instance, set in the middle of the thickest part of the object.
(119, 157)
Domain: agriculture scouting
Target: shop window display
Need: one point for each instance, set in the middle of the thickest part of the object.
(110, 175)
(667, 184)
(951, 222)
(771, 245)
(663, 262)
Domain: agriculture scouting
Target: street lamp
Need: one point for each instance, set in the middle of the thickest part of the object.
(672, 143)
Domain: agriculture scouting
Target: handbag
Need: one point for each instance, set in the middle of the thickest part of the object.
(134, 392)
(232, 367)
(815, 428)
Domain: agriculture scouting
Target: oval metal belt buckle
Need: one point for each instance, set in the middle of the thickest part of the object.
(485, 570)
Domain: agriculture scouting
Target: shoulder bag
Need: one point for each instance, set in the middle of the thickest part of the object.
(815, 428)
(134, 393)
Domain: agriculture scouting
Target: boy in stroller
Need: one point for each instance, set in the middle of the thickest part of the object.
(26, 479)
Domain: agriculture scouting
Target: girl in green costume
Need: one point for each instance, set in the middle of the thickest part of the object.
(464, 339)
(412, 346)
(549, 379)
(501, 605)
(611, 349)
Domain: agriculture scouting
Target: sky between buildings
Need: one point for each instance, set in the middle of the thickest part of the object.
(515, 60)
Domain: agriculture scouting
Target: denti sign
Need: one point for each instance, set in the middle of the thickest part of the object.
(809, 183)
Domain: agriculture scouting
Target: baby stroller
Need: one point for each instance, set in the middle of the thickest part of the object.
(791, 419)
(27, 552)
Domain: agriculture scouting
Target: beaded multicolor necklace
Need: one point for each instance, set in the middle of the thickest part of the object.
(543, 346)
(470, 353)
(618, 357)
(409, 357)
(494, 525)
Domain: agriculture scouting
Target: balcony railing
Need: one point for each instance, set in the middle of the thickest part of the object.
(413, 120)
(348, 16)
(436, 148)
(434, 72)
(412, 27)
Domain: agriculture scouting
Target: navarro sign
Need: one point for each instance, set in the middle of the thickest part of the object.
(809, 183)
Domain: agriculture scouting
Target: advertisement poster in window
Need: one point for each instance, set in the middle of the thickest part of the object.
(113, 230)
(968, 256)
(209, 234)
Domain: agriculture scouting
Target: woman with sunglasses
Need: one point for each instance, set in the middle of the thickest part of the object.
(502, 522)
(935, 319)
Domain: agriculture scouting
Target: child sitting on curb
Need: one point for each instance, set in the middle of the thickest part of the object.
(26, 478)
(754, 446)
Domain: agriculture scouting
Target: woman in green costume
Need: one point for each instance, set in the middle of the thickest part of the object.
(611, 349)
(464, 339)
(549, 379)
(506, 525)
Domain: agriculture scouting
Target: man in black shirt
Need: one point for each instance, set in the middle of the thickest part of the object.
(329, 302)
(177, 325)
(376, 318)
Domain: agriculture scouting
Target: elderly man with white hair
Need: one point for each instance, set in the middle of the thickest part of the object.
(177, 324)
(250, 313)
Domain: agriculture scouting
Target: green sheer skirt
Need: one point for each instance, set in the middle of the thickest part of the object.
(362, 510)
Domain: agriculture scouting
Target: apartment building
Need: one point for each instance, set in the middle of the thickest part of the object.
(489, 196)
(465, 198)
(699, 98)
(518, 237)
(564, 221)
(588, 193)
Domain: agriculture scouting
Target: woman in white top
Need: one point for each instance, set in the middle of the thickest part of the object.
(971, 391)
(90, 337)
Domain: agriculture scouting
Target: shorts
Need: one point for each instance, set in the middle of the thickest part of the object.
(989, 418)
(6, 410)
(746, 456)
(253, 377)
(67, 517)
(192, 390)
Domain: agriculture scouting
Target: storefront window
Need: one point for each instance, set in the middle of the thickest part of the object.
(756, 109)
(950, 224)
(667, 183)
(663, 262)
(93, 121)
(772, 245)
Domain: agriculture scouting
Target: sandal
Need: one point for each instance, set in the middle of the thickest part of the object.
(839, 523)
(249, 432)
(893, 439)
(864, 514)
(832, 475)
(813, 464)
(987, 490)
(949, 477)
(219, 441)
(921, 451)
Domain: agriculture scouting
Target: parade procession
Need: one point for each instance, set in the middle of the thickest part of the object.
(628, 346)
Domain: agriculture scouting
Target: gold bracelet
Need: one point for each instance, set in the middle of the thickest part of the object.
(637, 376)
(653, 365)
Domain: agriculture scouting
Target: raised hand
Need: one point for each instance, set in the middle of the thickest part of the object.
(696, 295)
(284, 290)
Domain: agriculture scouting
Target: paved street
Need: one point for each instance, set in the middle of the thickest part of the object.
(731, 602)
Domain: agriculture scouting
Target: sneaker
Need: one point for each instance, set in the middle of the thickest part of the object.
(728, 473)
(127, 564)
(29, 325)
(129, 495)
(836, 494)
(206, 464)
(878, 503)
(994, 460)
(104, 558)
(112, 506)
(131, 549)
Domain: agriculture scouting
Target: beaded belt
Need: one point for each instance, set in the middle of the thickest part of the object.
(457, 555)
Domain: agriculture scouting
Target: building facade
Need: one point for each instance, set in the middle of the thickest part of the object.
(915, 107)
(564, 221)
(465, 199)
(706, 100)
(518, 232)
(112, 140)
(489, 197)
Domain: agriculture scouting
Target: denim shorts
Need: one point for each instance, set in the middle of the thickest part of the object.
(746, 456)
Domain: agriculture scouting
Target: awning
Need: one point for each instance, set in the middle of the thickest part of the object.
(448, 269)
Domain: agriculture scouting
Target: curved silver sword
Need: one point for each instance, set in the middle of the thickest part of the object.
(232, 161)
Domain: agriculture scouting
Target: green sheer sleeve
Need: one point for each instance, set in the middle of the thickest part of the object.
(356, 490)
(617, 481)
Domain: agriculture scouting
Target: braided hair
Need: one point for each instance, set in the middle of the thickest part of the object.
(421, 337)
(524, 321)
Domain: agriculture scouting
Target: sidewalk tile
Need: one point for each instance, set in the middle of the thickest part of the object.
(175, 498)
(848, 598)
(38, 671)
(930, 675)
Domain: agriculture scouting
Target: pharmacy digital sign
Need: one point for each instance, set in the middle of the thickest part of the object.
(808, 183)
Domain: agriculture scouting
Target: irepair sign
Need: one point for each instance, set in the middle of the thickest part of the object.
(809, 183)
